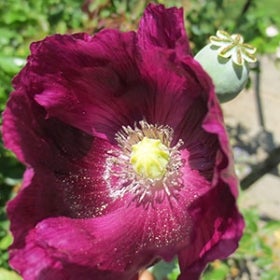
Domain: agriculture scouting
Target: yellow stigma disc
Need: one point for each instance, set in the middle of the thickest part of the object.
(149, 158)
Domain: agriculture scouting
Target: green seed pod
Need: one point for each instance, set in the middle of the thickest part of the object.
(226, 59)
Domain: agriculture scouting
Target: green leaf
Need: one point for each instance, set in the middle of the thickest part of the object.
(11, 65)
(173, 275)
(217, 272)
(5, 242)
(6, 34)
(271, 226)
(161, 269)
(8, 275)
(270, 275)
(251, 219)
(249, 246)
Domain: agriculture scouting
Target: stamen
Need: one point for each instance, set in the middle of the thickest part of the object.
(129, 171)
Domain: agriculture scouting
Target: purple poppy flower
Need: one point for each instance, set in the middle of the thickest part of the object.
(127, 158)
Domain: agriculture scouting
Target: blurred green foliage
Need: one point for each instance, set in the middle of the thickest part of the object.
(248, 18)
(22, 22)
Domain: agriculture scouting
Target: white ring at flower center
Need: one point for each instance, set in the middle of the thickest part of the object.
(122, 177)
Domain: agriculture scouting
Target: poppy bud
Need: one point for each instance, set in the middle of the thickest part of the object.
(226, 59)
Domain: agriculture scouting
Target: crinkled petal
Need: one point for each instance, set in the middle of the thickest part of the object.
(163, 28)
(218, 229)
(72, 162)
(219, 224)
(76, 193)
(85, 81)
(127, 239)
(41, 141)
(175, 96)
(49, 267)
(101, 82)
(66, 177)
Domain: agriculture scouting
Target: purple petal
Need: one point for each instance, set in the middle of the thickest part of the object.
(163, 28)
(102, 82)
(219, 224)
(48, 267)
(120, 241)
(82, 78)
(217, 233)
(53, 141)
(66, 177)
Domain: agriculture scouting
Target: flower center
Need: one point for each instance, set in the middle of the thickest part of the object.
(149, 158)
(144, 164)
